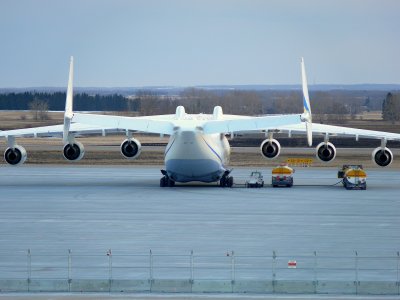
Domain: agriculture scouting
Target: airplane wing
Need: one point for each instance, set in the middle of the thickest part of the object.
(56, 131)
(267, 123)
(83, 124)
(87, 124)
(330, 130)
(310, 128)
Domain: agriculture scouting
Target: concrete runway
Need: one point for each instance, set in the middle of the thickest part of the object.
(88, 209)
(50, 209)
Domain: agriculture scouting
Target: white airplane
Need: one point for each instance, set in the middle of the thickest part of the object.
(198, 149)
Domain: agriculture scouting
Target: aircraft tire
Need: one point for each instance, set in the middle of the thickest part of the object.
(229, 182)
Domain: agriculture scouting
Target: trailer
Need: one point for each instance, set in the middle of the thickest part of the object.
(353, 177)
(282, 176)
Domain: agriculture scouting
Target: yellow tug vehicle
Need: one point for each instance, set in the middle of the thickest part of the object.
(282, 176)
(353, 177)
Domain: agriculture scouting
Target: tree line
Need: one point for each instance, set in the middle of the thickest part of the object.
(56, 101)
(327, 106)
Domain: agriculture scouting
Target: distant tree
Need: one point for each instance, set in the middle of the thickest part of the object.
(391, 108)
(290, 103)
(367, 103)
(149, 102)
(40, 109)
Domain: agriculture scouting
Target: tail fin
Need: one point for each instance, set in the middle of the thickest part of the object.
(68, 114)
(306, 104)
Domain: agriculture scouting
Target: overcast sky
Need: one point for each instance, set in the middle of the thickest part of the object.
(122, 43)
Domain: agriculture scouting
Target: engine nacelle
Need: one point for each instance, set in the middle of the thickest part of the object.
(326, 152)
(15, 155)
(270, 148)
(131, 148)
(74, 151)
(382, 156)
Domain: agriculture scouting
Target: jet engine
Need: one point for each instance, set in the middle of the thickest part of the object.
(15, 155)
(382, 156)
(326, 152)
(270, 148)
(131, 148)
(74, 151)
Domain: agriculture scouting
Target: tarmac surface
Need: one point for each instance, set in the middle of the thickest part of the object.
(91, 209)
(192, 297)
(49, 209)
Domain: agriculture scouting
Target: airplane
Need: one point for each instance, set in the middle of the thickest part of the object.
(198, 149)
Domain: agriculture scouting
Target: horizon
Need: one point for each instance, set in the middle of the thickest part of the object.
(349, 86)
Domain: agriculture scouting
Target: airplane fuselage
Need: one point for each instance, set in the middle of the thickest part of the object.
(194, 156)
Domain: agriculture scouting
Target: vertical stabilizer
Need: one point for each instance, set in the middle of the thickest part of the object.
(306, 104)
(68, 114)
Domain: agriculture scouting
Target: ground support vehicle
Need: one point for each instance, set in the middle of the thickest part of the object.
(255, 180)
(353, 177)
(282, 176)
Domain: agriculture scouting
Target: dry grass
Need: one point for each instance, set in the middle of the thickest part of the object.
(24, 119)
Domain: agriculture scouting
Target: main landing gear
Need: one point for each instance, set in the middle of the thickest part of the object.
(165, 180)
(226, 180)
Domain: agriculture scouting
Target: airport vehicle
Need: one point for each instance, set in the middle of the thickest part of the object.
(198, 149)
(255, 180)
(353, 177)
(282, 176)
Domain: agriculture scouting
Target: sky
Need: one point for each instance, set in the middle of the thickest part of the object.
(132, 43)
